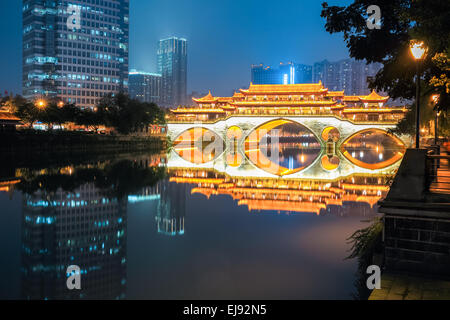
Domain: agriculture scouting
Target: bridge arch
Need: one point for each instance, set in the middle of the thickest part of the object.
(396, 154)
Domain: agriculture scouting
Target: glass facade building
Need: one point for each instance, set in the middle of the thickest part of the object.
(286, 73)
(83, 228)
(172, 65)
(75, 50)
(145, 86)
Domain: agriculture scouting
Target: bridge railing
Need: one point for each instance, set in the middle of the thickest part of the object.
(438, 171)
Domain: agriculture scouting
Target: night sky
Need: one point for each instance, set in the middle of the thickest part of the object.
(224, 38)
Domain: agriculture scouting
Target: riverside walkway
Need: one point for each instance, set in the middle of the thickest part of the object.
(405, 287)
(416, 235)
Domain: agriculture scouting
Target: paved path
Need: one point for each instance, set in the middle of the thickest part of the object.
(442, 185)
(402, 287)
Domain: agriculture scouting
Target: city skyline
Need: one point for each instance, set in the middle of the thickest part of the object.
(210, 48)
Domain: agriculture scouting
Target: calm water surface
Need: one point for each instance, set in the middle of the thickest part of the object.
(141, 229)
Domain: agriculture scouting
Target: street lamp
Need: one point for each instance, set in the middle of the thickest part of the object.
(435, 99)
(41, 104)
(418, 51)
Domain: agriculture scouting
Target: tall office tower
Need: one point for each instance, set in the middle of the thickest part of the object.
(83, 228)
(262, 74)
(172, 65)
(328, 73)
(76, 51)
(286, 73)
(362, 72)
(348, 75)
(304, 73)
(145, 86)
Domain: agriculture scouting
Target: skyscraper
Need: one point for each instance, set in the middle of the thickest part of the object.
(83, 228)
(286, 73)
(76, 51)
(145, 86)
(349, 75)
(172, 65)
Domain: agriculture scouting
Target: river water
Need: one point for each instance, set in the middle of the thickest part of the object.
(145, 227)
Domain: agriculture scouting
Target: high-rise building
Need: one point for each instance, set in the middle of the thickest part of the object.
(76, 51)
(286, 73)
(83, 228)
(172, 65)
(145, 86)
(348, 75)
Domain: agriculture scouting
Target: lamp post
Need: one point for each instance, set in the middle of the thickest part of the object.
(418, 51)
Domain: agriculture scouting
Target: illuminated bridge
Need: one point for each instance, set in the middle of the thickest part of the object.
(297, 131)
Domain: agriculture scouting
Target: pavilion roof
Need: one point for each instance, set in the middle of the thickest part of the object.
(352, 99)
(209, 98)
(290, 103)
(335, 93)
(238, 95)
(197, 110)
(374, 97)
(8, 116)
(311, 88)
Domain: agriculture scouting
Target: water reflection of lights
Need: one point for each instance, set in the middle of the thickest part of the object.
(281, 150)
(288, 195)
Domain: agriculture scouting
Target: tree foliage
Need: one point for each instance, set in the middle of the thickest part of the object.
(402, 21)
(119, 112)
(129, 115)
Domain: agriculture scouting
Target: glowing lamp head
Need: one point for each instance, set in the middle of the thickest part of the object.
(418, 49)
(435, 98)
(41, 104)
(60, 104)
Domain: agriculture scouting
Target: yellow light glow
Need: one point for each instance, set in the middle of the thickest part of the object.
(418, 49)
(435, 98)
(41, 104)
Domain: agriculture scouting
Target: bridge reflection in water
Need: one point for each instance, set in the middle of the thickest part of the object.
(284, 166)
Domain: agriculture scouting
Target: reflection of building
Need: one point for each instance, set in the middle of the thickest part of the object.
(82, 228)
(172, 65)
(144, 86)
(346, 75)
(77, 51)
(146, 194)
(171, 209)
(289, 73)
(291, 100)
(340, 197)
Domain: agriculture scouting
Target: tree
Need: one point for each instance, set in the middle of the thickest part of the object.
(441, 83)
(402, 20)
(89, 119)
(51, 114)
(128, 115)
(27, 112)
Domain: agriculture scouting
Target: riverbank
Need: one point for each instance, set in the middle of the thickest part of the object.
(39, 142)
